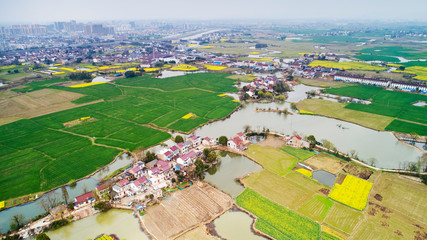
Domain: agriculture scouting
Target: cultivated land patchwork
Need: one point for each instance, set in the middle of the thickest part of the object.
(127, 119)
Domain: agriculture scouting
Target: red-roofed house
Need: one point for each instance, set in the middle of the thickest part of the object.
(195, 140)
(175, 150)
(236, 143)
(136, 171)
(101, 189)
(208, 142)
(84, 200)
(160, 173)
(165, 155)
(140, 184)
(121, 187)
(187, 158)
(297, 142)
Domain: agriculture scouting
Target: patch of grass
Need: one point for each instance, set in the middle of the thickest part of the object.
(301, 154)
(343, 218)
(398, 51)
(272, 159)
(33, 86)
(316, 208)
(327, 236)
(366, 57)
(322, 82)
(356, 91)
(407, 127)
(339, 111)
(275, 220)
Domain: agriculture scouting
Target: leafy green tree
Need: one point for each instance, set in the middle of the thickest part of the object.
(179, 139)
(42, 236)
(294, 106)
(223, 140)
(199, 168)
(206, 152)
(130, 74)
(102, 206)
(149, 156)
(211, 157)
(312, 140)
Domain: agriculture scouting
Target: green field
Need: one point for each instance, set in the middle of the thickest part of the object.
(275, 220)
(121, 122)
(366, 57)
(388, 103)
(316, 208)
(397, 51)
(301, 154)
(272, 159)
(340, 111)
(343, 218)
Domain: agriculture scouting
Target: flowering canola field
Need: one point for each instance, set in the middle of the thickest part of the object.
(86, 85)
(305, 172)
(346, 65)
(190, 115)
(352, 192)
(214, 67)
(184, 67)
(421, 72)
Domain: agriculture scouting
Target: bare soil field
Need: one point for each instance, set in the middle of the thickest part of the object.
(199, 233)
(36, 103)
(185, 210)
(272, 141)
(325, 162)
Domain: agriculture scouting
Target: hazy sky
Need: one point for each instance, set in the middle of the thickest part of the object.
(44, 11)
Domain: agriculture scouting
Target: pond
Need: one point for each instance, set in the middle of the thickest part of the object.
(115, 221)
(235, 225)
(324, 177)
(232, 166)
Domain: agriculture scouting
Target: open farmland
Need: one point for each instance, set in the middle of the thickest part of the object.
(301, 154)
(316, 208)
(339, 111)
(343, 218)
(325, 161)
(388, 103)
(272, 159)
(396, 210)
(124, 121)
(185, 210)
(396, 51)
(275, 220)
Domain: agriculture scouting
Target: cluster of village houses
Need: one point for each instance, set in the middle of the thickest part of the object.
(151, 177)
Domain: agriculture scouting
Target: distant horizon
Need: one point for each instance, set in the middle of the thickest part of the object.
(48, 11)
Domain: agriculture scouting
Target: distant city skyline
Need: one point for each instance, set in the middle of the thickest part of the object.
(47, 11)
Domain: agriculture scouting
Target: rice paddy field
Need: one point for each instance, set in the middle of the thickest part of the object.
(396, 105)
(123, 121)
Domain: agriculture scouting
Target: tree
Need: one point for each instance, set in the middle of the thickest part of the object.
(327, 144)
(130, 74)
(312, 140)
(206, 152)
(199, 168)
(70, 206)
(294, 106)
(352, 153)
(211, 157)
(49, 201)
(16, 222)
(42, 236)
(179, 139)
(281, 98)
(149, 156)
(247, 128)
(414, 137)
(223, 140)
(372, 161)
(65, 195)
(260, 45)
(102, 206)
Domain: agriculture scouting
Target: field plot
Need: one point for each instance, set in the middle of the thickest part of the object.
(37, 103)
(339, 111)
(316, 208)
(389, 103)
(343, 218)
(291, 190)
(272, 159)
(352, 192)
(346, 65)
(397, 51)
(407, 127)
(120, 122)
(356, 91)
(33, 86)
(368, 57)
(199, 233)
(301, 154)
(185, 210)
(275, 220)
(325, 162)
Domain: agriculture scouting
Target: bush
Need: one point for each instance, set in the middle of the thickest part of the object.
(223, 140)
(42, 236)
(102, 206)
(57, 224)
(130, 74)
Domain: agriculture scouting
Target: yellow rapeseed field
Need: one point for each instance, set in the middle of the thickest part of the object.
(56, 73)
(86, 84)
(346, 65)
(222, 95)
(305, 112)
(305, 172)
(421, 72)
(352, 192)
(190, 115)
(1, 204)
(68, 69)
(214, 67)
(184, 67)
